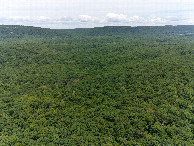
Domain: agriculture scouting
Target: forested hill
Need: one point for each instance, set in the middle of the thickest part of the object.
(18, 31)
(109, 86)
(11, 31)
(135, 31)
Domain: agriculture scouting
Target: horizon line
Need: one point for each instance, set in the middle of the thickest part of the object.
(92, 27)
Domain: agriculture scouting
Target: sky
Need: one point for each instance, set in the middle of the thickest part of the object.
(69, 14)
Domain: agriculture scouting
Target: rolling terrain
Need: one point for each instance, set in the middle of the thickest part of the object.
(97, 86)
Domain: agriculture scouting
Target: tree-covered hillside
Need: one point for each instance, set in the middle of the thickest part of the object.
(17, 31)
(101, 86)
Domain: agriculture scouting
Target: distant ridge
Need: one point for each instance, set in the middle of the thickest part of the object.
(10, 31)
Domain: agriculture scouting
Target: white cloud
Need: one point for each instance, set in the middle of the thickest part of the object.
(20, 18)
(112, 17)
(87, 18)
(156, 20)
(137, 19)
(28, 19)
(124, 19)
(91, 21)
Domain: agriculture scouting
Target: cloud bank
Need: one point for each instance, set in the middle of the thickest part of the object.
(89, 21)
(94, 13)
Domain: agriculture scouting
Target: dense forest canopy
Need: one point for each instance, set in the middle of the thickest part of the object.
(97, 86)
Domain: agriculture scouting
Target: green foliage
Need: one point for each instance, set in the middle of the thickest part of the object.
(101, 86)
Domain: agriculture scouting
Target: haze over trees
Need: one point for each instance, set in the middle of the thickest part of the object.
(98, 86)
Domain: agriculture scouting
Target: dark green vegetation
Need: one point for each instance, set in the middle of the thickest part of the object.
(101, 86)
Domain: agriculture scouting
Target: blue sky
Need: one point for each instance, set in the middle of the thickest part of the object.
(94, 13)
